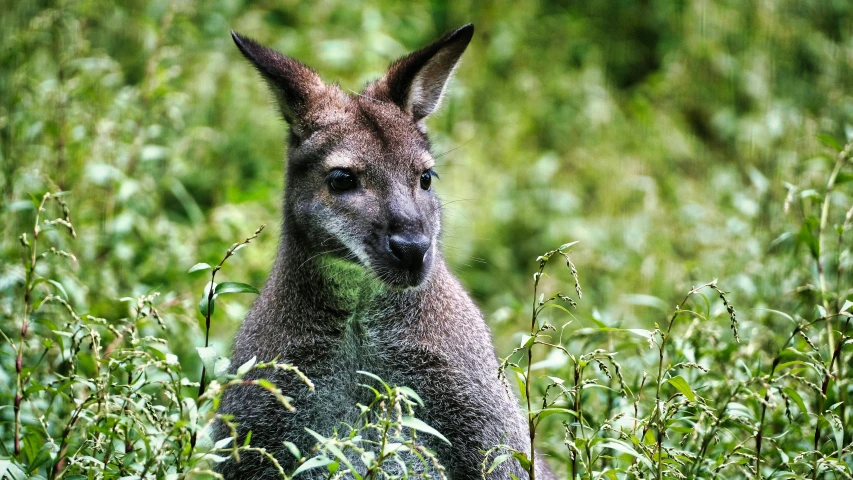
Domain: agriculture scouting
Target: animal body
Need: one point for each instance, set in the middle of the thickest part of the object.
(359, 282)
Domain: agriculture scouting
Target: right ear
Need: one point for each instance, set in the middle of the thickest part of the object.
(297, 87)
(417, 81)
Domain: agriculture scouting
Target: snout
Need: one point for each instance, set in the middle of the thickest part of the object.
(406, 259)
(409, 250)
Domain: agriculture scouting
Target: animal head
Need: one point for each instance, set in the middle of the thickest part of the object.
(359, 168)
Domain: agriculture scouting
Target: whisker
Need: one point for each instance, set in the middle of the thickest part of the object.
(317, 255)
(466, 142)
(469, 257)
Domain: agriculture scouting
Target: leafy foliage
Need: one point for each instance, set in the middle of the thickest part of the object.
(691, 410)
(677, 141)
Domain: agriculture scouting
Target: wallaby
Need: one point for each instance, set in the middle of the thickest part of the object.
(359, 282)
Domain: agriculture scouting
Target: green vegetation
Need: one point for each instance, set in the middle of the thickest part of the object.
(677, 142)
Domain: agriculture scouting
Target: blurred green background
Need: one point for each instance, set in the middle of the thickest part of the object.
(660, 134)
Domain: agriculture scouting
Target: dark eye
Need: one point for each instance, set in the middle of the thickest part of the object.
(426, 179)
(341, 181)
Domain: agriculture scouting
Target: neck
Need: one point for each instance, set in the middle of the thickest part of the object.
(331, 284)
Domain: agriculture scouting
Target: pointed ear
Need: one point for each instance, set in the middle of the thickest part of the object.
(416, 82)
(297, 87)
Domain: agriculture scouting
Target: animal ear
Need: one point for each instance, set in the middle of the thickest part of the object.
(416, 82)
(297, 87)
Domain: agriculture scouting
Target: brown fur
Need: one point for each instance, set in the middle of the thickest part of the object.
(341, 297)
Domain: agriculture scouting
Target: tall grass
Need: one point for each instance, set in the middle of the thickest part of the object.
(689, 408)
(660, 138)
(106, 395)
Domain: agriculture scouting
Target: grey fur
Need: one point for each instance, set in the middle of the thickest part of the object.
(413, 327)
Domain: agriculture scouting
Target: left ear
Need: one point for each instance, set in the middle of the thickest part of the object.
(416, 82)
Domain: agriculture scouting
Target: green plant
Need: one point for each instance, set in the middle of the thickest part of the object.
(657, 136)
(207, 305)
(702, 412)
(108, 396)
(104, 394)
(381, 443)
(539, 335)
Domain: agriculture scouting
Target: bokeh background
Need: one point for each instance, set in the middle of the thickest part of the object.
(663, 135)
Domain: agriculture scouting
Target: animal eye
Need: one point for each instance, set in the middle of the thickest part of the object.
(341, 181)
(426, 179)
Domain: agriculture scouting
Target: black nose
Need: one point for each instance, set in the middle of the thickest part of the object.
(409, 249)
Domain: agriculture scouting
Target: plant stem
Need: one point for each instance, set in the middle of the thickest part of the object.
(824, 219)
(59, 462)
(531, 424)
(201, 383)
(210, 294)
(759, 436)
(706, 442)
(377, 467)
(657, 401)
(28, 290)
(836, 354)
(577, 410)
(664, 337)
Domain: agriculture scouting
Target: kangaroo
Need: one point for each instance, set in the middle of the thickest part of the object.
(359, 282)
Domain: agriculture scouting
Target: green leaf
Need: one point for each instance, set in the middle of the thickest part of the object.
(568, 245)
(624, 447)
(368, 458)
(375, 377)
(497, 461)
(843, 177)
(221, 366)
(830, 141)
(646, 334)
(293, 449)
(328, 445)
(522, 459)
(777, 312)
(207, 302)
(681, 384)
(808, 236)
(411, 394)
(234, 287)
(520, 378)
(56, 285)
(223, 442)
(204, 304)
(838, 433)
(208, 357)
(199, 266)
(394, 447)
(10, 470)
(59, 287)
(318, 461)
(419, 425)
(247, 366)
(558, 306)
(547, 412)
(647, 301)
(44, 454)
(792, 363)
(795, 396)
